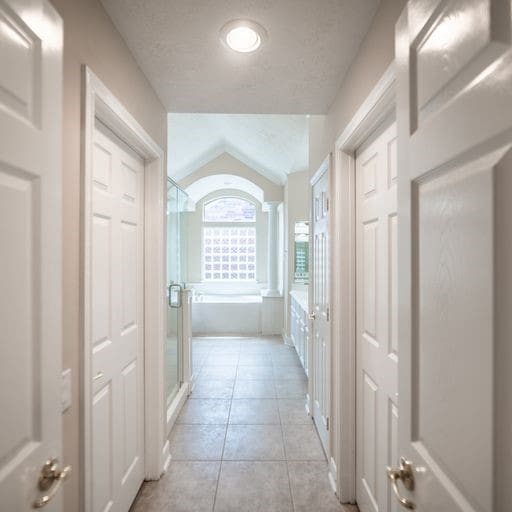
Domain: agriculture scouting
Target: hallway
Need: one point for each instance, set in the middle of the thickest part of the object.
(243, 441)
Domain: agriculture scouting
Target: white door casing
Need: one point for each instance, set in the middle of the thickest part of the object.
(117, 322)
(454, 93)
(376, 323)
(320, 303)
(31, 245)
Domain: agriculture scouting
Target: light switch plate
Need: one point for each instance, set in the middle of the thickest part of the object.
(66, 390)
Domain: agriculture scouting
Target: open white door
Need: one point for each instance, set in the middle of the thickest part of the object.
(319, 302)
(30, 255)
(454, 65)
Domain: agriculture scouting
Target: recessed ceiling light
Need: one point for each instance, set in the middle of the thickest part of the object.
(243, 36)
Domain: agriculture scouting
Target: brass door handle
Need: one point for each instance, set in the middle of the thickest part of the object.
(406, 475)
(312, 316)
(49, 480)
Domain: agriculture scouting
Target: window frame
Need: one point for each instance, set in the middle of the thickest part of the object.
(224, 222)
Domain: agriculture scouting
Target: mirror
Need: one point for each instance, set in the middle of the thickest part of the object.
(301, 267)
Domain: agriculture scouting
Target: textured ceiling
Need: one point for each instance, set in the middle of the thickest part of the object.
(273, 145)
(298, 69)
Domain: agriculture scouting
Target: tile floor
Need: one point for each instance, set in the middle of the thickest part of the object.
(243, 441)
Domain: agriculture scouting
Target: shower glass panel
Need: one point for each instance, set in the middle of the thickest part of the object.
(176, 261)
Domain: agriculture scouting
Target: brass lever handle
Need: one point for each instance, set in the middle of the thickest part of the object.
(406, 475)
(49, 480)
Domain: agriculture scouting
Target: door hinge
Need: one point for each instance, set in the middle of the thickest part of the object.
(327, 204)
(328, 313)
(327, 424)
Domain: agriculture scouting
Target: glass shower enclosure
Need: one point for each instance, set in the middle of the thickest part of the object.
(176, 276)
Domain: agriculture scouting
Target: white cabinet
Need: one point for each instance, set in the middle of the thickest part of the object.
(299, 328)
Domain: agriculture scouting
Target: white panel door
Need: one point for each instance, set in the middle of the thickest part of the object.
(320, 307)
(117, 327)
(30, 251)
(454, 65)
(376, 289)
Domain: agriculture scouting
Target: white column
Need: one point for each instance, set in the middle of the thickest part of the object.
(273, 249)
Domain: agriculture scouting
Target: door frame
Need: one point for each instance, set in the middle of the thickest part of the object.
(98, 102)
(375, 109)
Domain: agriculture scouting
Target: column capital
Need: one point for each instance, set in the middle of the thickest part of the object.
(270, 205)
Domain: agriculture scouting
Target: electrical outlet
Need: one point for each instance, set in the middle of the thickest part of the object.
(66, 390)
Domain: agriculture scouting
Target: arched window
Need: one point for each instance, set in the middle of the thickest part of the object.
(229, 240)
(229, 209)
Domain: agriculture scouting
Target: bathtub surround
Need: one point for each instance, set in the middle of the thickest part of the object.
(236, 314)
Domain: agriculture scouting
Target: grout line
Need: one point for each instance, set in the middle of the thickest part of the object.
(223, 448)
(286, 458)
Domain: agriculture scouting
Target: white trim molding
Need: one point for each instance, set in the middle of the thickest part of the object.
(100, 103)
(378, 107)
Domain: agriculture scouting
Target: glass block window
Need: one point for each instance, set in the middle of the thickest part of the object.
(229, 253)
(229, 209)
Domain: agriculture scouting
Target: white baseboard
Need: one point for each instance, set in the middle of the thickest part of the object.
(333, 475)
(287, 339)
(175, 408)
(166, 456)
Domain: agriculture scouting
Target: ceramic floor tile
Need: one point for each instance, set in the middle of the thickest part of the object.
(290, 372)
(255, 372)
(254, 411)
(310, 487)
(254, 442)
(262, 359)
(222, 360)
(186, 487)
(254, 389)
(293, 411)
(291, 388)
(218, 372)
(197, 442)
(286, 360)
(213, 388)
(302, 443)
(253, 487)
(205, 411)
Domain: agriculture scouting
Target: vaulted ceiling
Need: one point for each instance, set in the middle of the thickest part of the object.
(298, 69)
(273, 145)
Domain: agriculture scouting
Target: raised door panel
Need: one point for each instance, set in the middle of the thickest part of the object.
(19, 316)
(369, 429)
(103, 449)
(369, 285)
(21, 54)
(130, 420)
(454, 239)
